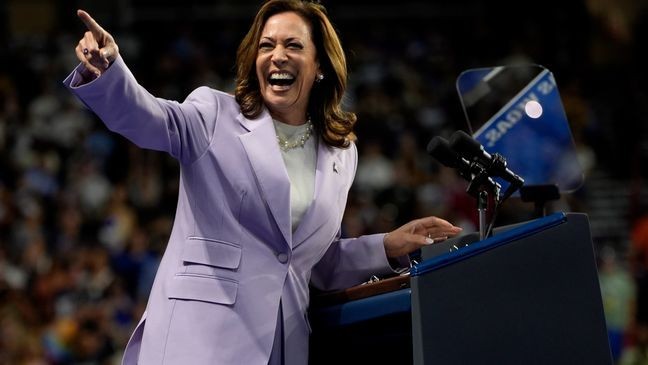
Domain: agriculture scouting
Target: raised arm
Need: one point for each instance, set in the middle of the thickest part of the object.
(106, 86)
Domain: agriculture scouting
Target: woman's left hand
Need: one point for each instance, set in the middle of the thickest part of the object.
(416, 234)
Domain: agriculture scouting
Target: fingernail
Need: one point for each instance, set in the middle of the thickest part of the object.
(429, 241)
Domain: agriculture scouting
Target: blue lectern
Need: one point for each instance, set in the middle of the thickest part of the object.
(527, 295)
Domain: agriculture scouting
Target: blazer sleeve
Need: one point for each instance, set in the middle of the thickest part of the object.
(351, 261)
(184, 130)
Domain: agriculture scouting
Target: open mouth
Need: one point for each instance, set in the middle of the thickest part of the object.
(281, 79)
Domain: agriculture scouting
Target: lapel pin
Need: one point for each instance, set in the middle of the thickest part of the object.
(335, 169)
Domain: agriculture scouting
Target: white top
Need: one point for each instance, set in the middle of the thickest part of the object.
(300, 163)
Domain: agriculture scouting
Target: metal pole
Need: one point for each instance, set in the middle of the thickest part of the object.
(482, 204)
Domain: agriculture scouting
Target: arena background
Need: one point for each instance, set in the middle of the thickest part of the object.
(84, 215)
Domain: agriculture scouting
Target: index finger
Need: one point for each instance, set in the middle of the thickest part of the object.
(90, 23)
(433, 221)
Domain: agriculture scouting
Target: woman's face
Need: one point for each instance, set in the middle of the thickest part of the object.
(286, 66)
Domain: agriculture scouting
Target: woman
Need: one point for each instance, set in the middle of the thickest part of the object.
(264, 182)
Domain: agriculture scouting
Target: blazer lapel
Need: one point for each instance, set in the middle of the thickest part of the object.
(263, 153)
(328, 183)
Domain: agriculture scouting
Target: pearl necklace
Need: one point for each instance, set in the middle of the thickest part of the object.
(300, 140)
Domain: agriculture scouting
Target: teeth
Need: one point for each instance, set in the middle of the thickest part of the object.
(281, 76)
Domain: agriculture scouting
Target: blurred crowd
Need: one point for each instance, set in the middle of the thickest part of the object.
(84, 214)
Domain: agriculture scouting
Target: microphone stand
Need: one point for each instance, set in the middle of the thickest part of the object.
(480, 186)
(482, 206)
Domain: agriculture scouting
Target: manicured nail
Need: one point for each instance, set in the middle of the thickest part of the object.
(429, 241)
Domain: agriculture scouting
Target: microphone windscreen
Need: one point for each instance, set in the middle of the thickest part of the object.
(440, 149)
(465, 145)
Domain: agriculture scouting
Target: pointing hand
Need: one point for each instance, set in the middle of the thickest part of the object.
(97, 49)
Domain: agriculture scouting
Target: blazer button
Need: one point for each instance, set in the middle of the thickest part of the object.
(282, 257)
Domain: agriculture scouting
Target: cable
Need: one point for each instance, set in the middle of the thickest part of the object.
(493, 218)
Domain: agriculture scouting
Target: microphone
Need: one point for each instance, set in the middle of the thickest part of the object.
(495, 164)
(439, 148)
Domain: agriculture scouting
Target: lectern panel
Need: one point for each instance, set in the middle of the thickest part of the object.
(534, 299)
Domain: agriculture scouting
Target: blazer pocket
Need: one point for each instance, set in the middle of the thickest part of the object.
(212, 252)
(204, 288)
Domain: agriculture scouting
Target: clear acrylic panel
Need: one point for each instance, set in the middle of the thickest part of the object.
(516, 111)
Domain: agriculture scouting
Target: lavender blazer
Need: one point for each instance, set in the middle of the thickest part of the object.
(232, 257)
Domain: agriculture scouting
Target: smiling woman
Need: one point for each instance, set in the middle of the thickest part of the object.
(311, 28)
(265, 178)
(286, 67)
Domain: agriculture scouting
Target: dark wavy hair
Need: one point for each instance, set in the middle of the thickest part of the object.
(324, 105)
